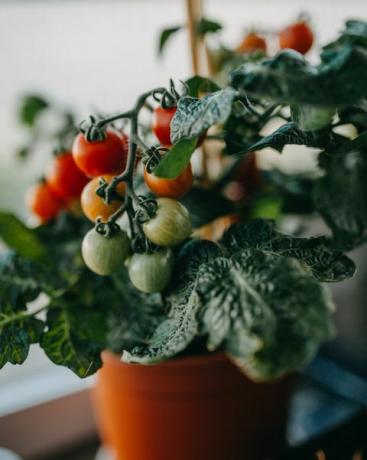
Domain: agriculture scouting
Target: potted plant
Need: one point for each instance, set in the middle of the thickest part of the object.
(199, 337)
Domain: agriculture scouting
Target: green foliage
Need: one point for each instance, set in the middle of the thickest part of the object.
(177, 158)
(197, 85)
(20, 282)
(31, 108)
(165, 35)
(290, 134)
(21, 238)
(206, 26)
(289, 78)
(340, 195)
(315, 254)
(194, 116)
(206, 205)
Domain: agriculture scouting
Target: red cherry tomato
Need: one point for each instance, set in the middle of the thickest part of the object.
(42, 202)
(169, 188)
(252, 42)
(298, 37)
(65, 178)
(96, 158)
(161, 124)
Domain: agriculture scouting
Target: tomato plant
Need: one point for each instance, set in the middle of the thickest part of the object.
(298, 36)
(161, 124)
(171, 224)
(93, 206)
(64, 177)
(169, 188)
(105, 255)
(102, 156)
(151, 272)
(43, 202)
(249, 288)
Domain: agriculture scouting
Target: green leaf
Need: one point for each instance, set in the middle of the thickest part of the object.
(290, 134)
(206, 26)
(165, 35)
(173, 335)
(75, 336)
(19, 284)
(315, 254)
(340, 195)
(289, 78)
(20, 238)
(31, 108)
(194, 116)
(177, 158)
(16, 336)
(206, 205)
(264, 310)
(197, 85)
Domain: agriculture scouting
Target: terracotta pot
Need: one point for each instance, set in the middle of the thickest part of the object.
(195, 408)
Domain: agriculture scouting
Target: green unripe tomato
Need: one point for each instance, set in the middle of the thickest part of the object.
(312, 118)
(105, 255)
(170, 226)
(151, 272)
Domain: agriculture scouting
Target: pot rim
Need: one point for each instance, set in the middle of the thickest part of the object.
(193, 361)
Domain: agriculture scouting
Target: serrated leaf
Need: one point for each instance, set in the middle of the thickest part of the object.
(255, 300)
(165, 35)
(290, 134)
(206, 205)
(21, 238)
(289, 78)
(74, 336)
(172, 336)
(341, 194)
(194, 116)
(16, 336)
(177, 158)
(315, 254)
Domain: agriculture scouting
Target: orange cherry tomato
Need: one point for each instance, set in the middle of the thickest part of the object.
(108, 156)
(65, 178)
(252, 42)
(93, 205)
(170, 188)
(43, 202)
(298, 36)
(161, 124)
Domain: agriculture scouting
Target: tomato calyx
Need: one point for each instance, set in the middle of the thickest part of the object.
(146, 209)
(153, 156)
(107, 229)
(108, 193)
(169, 98)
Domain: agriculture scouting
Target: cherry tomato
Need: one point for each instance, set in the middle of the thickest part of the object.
(170, 226)
(43, 202)
(108, 156)
(151, 272)
(93, 205)
(252, 42)
(105, 255)
(161, 124)
(298, 37)
(171, 188)
(65, 178)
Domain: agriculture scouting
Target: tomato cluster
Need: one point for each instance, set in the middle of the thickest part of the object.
(97, 157)
(297, 36)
